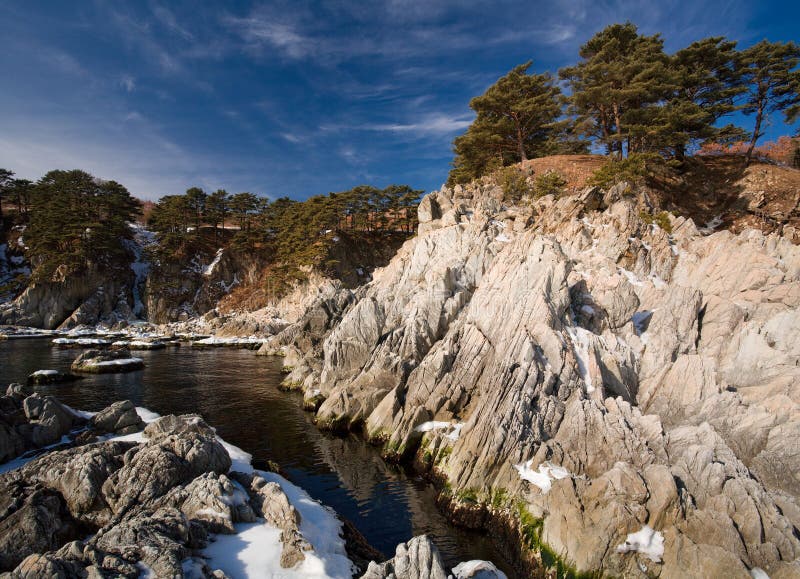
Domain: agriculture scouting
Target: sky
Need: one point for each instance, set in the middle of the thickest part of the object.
(295, 98)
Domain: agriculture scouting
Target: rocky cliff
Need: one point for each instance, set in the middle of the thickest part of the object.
(620, 384)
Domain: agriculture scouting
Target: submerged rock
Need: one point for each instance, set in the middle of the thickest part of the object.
(51, 377)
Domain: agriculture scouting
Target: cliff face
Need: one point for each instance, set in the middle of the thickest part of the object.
(636, 389)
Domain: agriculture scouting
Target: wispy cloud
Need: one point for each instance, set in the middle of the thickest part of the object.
(435, 124)
(260, 31)
(167, 19)
(128, 82)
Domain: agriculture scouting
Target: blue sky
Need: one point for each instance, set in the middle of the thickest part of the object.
(293, 98)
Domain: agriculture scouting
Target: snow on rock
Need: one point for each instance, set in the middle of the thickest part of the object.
(477, 569)
(712, 225)
(455, 433)
(45, 373)
(758, 573)
(209, 269)
(431, 425)
(255, 550)
(646, 541)
(455, 429)
(581, 342)
(503, 238)
(118, 362)
(142, 239)
(544, 476)
(82, 342)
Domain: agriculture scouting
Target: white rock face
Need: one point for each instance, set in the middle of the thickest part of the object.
(660, 370)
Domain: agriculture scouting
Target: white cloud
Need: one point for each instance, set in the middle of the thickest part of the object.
(292, 138)
(168, 20)
(128, 82)
(437, 124)
(257, 31)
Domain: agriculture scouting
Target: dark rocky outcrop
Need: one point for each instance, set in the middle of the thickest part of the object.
(147, 502)
(29, 421)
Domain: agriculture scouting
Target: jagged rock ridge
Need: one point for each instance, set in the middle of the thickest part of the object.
(655, 371)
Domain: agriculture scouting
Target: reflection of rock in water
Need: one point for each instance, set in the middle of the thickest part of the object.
(383, 490)
(359, 467)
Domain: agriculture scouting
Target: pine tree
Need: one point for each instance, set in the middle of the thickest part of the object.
(773, 83)
(243, 206)
(621, 74)
(216, 208)
(706, 82)
(78, 221)
(196, 203)
(514, 120)
(6, 179)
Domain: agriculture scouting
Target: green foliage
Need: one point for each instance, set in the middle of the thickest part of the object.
(548, 183)
(773, 83)
(500, 499)
(516, 118)
(631, 170)
(514, 183)
(620, 77)
(468, 495)
(661, 219)
(76, 222)
(531, 528)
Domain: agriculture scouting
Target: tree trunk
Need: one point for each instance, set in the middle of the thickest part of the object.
(521, 144)
(759, 119)
(618, 126)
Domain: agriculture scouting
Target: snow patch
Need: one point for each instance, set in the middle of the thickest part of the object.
(455, 429)
(45, 373)
(215, 341)
(758, 573)
(211, 266)
(544, 476)
(581, 342)
(503, 238)
(631, 277)
(477, 569)
(712, 225)
(119, 362)
(455, 433)
(646, 541)
(431, 425)
(82, 342)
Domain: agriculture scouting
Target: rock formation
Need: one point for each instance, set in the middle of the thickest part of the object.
(584, 370)
(29, 421)
(131, 504)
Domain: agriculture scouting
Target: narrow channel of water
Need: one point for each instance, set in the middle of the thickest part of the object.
(237, 392)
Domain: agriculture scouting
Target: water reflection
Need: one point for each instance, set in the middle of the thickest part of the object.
(237, 392)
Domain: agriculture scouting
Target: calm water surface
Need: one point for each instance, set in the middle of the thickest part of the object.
(237, 392)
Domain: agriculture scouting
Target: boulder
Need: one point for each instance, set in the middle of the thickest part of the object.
(119, 418)
(417, 559)
(106, 362)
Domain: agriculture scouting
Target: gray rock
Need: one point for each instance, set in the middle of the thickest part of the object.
(119, 418)
(417, 559)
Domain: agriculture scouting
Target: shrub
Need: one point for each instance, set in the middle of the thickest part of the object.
(632, 169)
(549, 183)
(661, 219)
(514, 183)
